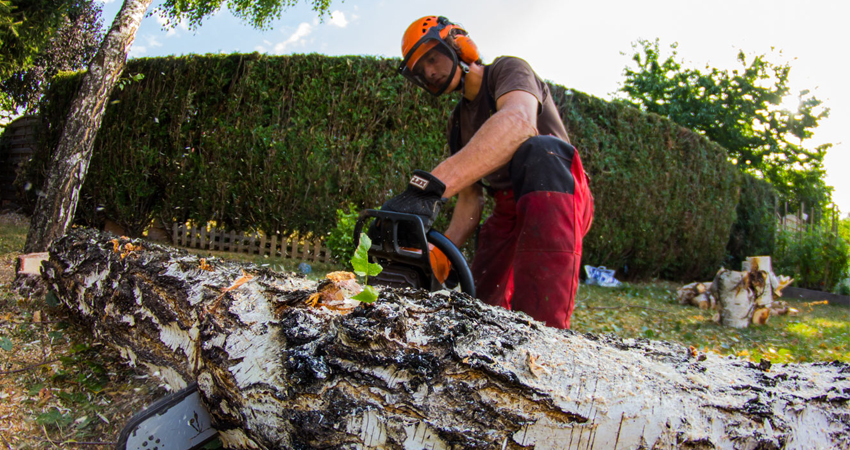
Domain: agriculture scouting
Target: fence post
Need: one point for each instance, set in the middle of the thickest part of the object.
(812, 218)
(834, 222)
(785, 218)
(192, 240)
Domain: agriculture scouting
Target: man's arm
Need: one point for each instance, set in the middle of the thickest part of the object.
(493, 145)
(466, 215)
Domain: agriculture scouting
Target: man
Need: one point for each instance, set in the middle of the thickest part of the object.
(507, 132)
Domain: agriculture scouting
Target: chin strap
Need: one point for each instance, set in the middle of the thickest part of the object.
(464, 69)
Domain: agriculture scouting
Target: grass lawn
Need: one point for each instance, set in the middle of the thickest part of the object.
(59, 385)
(649, 310)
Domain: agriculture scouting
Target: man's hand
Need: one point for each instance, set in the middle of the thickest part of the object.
(423, 197)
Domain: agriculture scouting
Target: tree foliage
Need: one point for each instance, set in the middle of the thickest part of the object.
(740, 110)
(258, 13)
(68, 47)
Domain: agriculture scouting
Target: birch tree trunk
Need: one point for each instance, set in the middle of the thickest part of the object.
(55, 209)
(420, 370)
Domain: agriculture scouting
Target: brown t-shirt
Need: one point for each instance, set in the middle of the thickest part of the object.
(504, 75)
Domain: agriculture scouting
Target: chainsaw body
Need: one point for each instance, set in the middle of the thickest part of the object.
(400, 246)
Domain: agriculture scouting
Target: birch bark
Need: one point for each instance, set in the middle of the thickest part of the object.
(421, 370)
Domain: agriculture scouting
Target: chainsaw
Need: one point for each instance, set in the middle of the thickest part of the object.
(179, 421)
(400, 246)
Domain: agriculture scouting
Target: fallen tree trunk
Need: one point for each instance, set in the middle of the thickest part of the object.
(421, 370)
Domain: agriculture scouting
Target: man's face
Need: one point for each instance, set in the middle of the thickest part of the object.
(435, 67)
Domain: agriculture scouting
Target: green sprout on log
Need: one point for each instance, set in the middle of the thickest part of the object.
(362, 267)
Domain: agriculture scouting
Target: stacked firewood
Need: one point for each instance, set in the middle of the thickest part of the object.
(740, 297)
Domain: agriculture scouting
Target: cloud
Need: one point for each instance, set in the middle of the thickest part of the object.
(172, 31)
(338, 19)
(137, 51)
(143, 44)
(304, 30)
(263, 48)
(153, 41)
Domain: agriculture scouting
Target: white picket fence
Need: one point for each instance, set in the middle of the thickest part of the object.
(290, 247)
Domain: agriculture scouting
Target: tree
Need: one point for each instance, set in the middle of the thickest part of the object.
(54, 211)
(26, 28)
(740, 110)
(419, 370)
(70, 48)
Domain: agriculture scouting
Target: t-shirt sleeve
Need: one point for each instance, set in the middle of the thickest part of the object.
(514, 74)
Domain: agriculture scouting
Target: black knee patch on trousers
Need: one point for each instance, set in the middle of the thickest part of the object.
(542, 163)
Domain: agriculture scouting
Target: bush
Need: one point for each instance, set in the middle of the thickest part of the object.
(817, 259)
(843, 286)
(340, 240)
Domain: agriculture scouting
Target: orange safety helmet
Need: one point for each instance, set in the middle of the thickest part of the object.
(430, 33)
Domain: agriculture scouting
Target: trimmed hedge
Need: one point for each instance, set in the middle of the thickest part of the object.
(665, 196)
(754, 231)
(278, 144)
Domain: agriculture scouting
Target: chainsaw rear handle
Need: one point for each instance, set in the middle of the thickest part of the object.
(411, 245)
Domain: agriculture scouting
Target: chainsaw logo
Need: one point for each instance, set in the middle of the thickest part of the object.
(419, 182)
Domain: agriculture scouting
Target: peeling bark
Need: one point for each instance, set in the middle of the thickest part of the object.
(55, 209)
(424, 370)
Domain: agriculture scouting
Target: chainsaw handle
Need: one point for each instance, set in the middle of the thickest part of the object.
(467, 285)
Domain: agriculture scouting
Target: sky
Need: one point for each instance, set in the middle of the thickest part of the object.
(578, 44)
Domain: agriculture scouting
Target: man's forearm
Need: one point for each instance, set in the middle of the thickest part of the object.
(491, 147)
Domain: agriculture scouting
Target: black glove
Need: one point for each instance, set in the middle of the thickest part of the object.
(423, 197)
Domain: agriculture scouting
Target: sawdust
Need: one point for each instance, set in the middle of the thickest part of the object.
(47, 364)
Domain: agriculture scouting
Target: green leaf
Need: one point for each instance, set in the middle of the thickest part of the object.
(55, 417)
(51, 299)
(360, 260)
(5, 344)
(368, 295)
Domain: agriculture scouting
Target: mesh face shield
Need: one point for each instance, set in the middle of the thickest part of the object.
(430, 50)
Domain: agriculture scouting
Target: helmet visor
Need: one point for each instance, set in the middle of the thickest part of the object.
(430, 64)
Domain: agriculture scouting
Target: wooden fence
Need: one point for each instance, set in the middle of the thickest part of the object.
(803, 220)
(291, 247)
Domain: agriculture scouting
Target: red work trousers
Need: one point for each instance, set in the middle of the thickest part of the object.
(529, 250)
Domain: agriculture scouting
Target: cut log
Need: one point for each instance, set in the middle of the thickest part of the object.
(423, 370)
(735, 300)
(30, 264)
(696, 294)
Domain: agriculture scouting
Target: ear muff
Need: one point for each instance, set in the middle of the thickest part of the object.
(467, 51)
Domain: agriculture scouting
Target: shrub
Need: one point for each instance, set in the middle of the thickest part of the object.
(340, 240)
(843, 286)
(817, 259)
